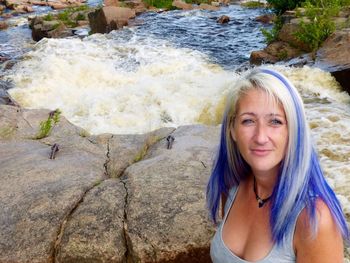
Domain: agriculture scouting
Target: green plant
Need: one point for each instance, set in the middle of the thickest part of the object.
(320, 13)
(271, 35)
(48, 17)
(253, 4)
(80, 16)
(148, 143)
(165, 4)
(282, 55)
(313, 34)
(280, 6)
(46, 126)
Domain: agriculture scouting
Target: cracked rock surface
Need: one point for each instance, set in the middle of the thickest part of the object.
(104, 198)
(167, 219)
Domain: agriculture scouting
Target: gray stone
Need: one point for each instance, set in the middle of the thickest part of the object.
(128, 149)
(95, 230)
(166, 214)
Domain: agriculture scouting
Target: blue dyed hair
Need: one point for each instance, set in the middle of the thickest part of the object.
(300, 181)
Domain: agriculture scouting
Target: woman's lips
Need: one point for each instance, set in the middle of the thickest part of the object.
(260, 152)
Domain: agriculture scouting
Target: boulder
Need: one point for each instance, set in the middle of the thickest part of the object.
(109, 18)
(266, 18)
(282, 50)
(37, 194)
(287, 34)
(57, 6)
(334, 57)
(5, 98)
(182, 5)
(111, 3)
(3, 25)
(166, 214)
(49, 29)
(223, 19)
(208, 7)
(261, 57)
(95, 232)
(2, 8)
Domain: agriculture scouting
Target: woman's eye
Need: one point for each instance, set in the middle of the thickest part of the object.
(276, 122)
(247, 121)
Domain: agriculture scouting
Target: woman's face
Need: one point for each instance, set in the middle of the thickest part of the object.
(260, 131)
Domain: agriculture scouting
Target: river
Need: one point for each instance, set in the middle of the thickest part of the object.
(173, 68)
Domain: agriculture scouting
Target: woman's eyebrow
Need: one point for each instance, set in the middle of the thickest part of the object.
(266, 115)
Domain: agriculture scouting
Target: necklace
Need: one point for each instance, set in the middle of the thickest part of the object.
(261, 201)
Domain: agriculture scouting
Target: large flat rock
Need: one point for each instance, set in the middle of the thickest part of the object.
(166, 216)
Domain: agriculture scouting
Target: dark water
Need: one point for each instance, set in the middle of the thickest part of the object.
(228, 45)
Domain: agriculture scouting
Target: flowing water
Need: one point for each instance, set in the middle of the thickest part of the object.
(171, 69)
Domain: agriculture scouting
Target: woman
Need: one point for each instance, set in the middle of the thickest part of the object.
(277, 206)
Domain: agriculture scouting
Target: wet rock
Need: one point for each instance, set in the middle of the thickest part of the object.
(3, 25)
(49, 29)
(261, 57)
(223, 19)
(334, 57)
(95, 231)
(165, 190)
(282, 50)
(5, 98)
(110, 18)
(266, 18)
(182, 5)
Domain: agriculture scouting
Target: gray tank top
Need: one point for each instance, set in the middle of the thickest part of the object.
(220, 253)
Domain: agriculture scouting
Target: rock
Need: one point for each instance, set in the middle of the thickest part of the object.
(5, 98)
(286, 34)
(11, 4)
(223, 19)
(282, 50)
(2, 8)
(111, 3)
(49, 29)
(57, 6)
(95, 231)
(208, 7)
(334, 57)
(182, 5)
(39, 3)
(3, 25)
(261, 57)
(166, 214)
(266, 18)
(38, 194)
(217, 4)
(128, 149)
(109, 18)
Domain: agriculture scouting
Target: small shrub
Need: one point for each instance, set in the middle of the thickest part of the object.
(253, 4)
(271, 35)
(46, 126)
(315, 33)
(280, 6)
(49, 17)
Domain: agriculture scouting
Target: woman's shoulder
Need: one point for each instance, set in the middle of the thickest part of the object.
(325, 243)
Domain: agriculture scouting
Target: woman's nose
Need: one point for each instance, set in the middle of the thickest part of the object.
(261, 134)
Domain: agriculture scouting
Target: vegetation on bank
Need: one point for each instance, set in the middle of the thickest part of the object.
(69, 16)
(253, 4)
(318, 24)
(167, 4)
